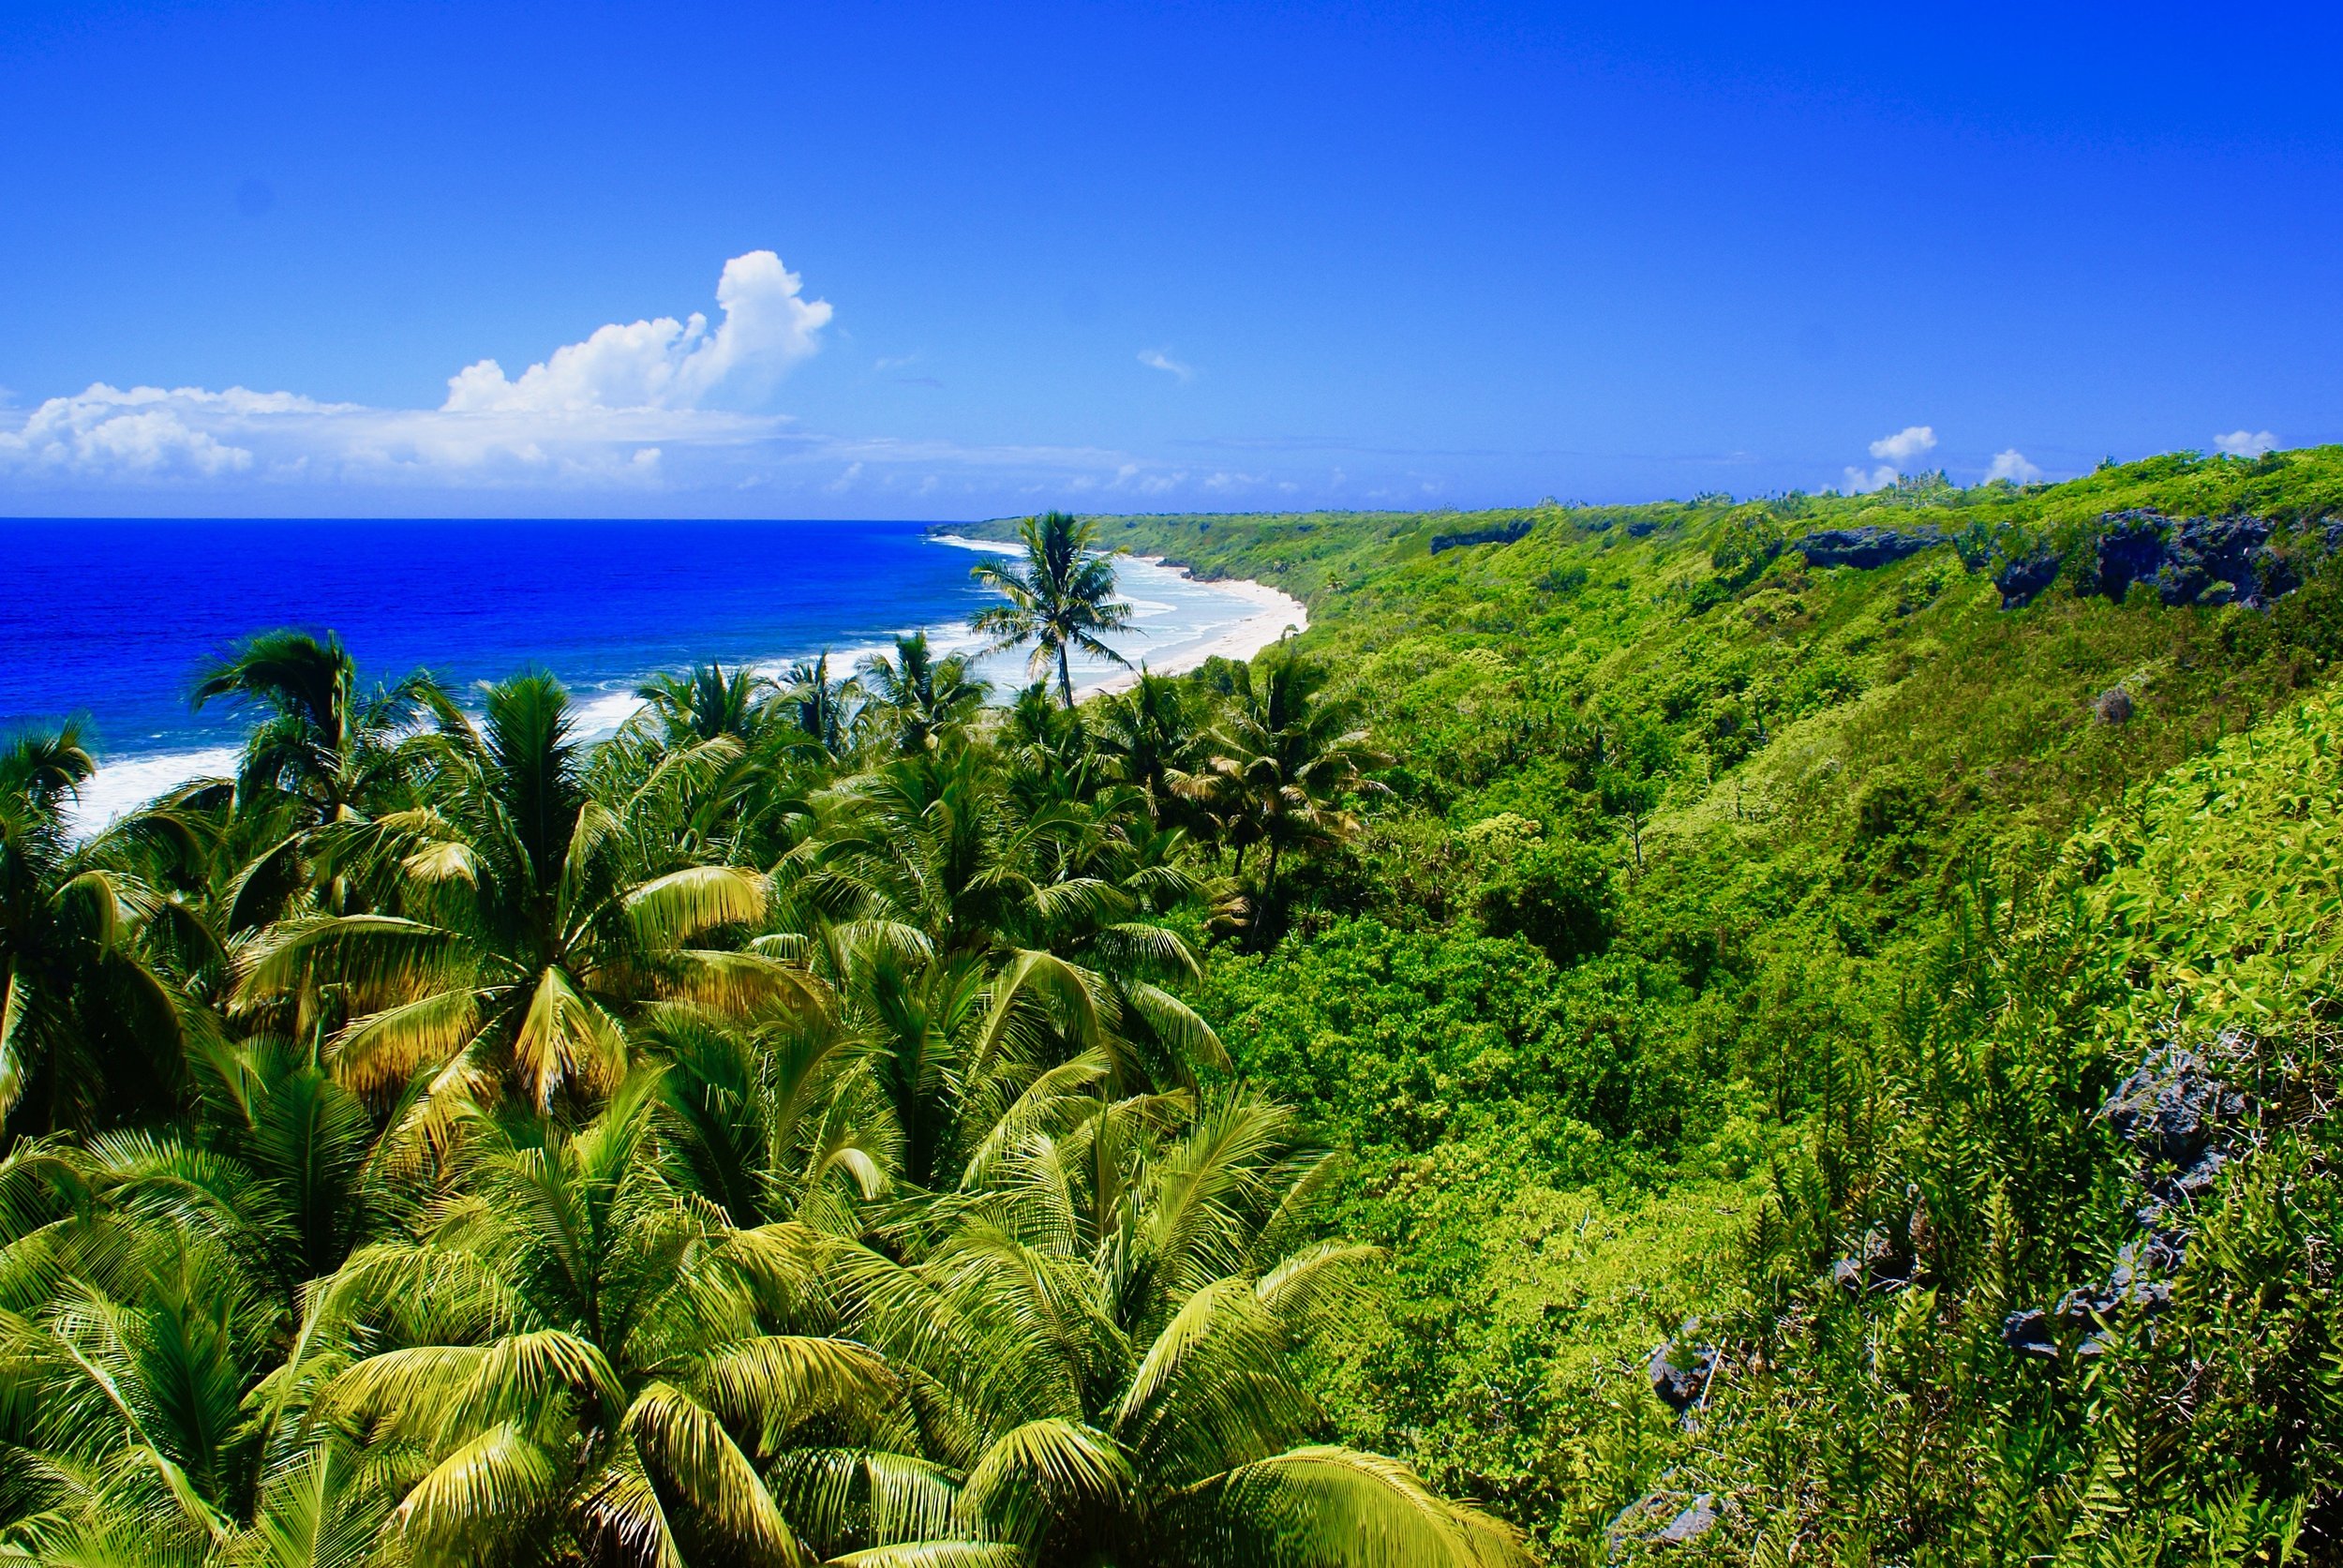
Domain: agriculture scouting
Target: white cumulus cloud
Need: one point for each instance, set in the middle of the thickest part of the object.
(768, 326)
(2246, 443)
(2012, 465)
(1912, 441)
(604, 410)
(1858, 480)
(142, 432)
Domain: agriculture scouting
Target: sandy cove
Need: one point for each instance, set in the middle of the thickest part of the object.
(1278, 612)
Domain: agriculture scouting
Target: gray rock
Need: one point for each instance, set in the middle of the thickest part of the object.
(1697, 1520)
(2028, 1333)
(1868, 547)
(2190, 560)
(2021, 581)
(1681, 1370)
(2173, 1111)
(2112, 706)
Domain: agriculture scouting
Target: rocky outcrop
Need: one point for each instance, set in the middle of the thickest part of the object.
(1504, 533)
(1689, 1516)
(2187, 561)
(2021, 581)
(1866, 547)
(2186, 1114)
(2190, 561)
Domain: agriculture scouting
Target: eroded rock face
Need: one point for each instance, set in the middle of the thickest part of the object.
(2179, 1112)
(1866, 547)
(2190, 560)
(2187, 561)
(2021, 581)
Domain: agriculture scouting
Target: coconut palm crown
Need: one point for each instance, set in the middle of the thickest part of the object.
(1061, 597)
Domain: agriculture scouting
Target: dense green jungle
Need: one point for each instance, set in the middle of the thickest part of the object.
(1796, 1029)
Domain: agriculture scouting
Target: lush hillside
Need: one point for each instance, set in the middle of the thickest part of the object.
(1784, 1031)
(1733, 913)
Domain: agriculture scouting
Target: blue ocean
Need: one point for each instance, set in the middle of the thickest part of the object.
(110, 619)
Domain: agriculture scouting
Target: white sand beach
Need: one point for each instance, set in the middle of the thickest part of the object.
(1274, 613)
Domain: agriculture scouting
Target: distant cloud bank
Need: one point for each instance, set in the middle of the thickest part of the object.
(606, 410)
(2246, 443)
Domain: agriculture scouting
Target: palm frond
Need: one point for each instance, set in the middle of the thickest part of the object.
(669, 911)
(1336, 1507)
(685, 1444)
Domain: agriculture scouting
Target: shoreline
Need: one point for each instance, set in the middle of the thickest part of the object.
(123, 783)
(1277, 612)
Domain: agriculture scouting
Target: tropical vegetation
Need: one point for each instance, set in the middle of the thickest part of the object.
(1776, 1030)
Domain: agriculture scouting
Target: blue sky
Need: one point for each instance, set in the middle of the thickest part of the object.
(1124, 258)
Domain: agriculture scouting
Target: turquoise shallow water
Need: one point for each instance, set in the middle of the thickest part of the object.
(112, 619)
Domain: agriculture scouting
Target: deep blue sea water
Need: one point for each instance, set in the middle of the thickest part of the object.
(113, 618)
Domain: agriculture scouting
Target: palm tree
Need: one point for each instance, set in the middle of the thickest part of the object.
(825, 706)
(321, 739)
(760, 1114)
(524, 922)
(1101, 1356)
(1283, 765)
(1061, 596)
(1147, 736)
(929, 700)
(89, 1031)
(708, 702)
(322, 746)
(579, 1360)
(146, 1332)
(1048, 749)
(979, 948)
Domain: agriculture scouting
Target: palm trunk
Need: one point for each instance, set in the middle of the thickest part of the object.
(1064, 676)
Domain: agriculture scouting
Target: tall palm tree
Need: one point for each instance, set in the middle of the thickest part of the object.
(524, 922)
(324, 748)
(321, 738)
(1102, 1359)
(1061, 597)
